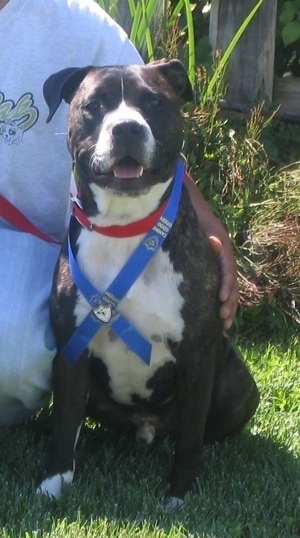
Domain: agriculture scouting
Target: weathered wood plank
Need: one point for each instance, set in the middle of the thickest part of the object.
(251, 66)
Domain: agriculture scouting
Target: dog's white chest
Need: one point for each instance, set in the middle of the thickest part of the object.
(153, 306)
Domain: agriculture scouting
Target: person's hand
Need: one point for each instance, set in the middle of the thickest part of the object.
(221, 244)
(229, 291)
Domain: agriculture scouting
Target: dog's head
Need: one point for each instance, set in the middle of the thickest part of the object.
(125, 129)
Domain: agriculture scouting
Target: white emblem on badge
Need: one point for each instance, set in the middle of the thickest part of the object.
(103, 312)
(151, 243)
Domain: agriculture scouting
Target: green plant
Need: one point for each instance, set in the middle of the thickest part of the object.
(150, 25)
(289, 21)
(287, 51)
(256, 197)
(274, 245)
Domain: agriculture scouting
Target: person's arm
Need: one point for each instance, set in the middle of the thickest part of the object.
(220, 242)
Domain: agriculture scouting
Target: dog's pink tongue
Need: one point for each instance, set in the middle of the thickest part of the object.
(128, 171)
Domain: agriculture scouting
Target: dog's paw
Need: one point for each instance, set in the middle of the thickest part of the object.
(174, 503)
(146, 433)
(52, 486)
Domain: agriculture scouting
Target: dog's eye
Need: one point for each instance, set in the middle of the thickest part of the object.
(155, 102)
(92, 106)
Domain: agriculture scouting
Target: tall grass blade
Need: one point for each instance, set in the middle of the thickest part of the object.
(191, 42)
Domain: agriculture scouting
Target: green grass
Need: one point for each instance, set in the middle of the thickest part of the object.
(250, 485)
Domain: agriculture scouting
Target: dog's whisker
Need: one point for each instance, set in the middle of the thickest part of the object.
(94, 162)
(93, 146)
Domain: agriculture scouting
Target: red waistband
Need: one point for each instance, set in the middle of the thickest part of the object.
(13, 215)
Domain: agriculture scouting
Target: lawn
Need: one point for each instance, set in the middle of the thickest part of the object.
(250, 485)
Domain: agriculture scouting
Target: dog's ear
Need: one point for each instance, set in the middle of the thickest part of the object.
(62, 85)
(175, 73)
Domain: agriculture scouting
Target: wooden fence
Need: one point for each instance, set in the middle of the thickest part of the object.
(251, 67)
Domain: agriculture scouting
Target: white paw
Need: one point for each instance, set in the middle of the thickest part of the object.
(174, 503)
(52, 486)
(146, 433)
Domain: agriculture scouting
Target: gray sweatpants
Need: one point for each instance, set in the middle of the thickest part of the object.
(27, 345)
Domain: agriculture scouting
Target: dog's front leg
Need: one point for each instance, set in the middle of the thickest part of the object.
(70, 394)
(194, 387)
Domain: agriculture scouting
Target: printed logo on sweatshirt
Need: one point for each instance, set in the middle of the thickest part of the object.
(16, 118)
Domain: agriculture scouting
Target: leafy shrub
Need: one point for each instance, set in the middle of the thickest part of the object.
(239, 162)
(287, 56)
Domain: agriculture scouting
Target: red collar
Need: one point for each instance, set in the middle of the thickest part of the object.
(128, 230)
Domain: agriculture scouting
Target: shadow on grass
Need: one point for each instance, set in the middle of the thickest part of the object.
(249, 488)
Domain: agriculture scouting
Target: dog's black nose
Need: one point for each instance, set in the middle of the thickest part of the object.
(127, 129)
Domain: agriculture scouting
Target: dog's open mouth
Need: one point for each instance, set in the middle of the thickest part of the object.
(128, 168)
(126, 175)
